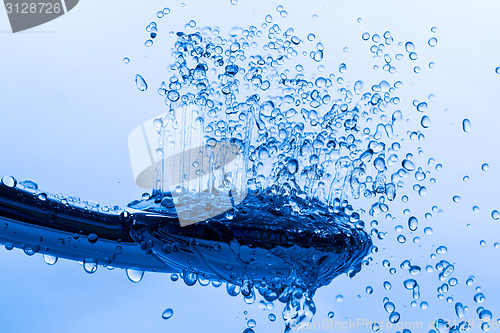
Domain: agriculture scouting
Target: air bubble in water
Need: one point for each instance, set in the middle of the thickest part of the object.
(134, 275)
(168, 313)
(140, 82)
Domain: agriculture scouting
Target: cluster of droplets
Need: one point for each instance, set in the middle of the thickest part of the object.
(318, 138)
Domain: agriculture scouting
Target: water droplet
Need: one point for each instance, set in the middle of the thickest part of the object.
(134, 275)
(425, 122)
(92, 238)
(29, 184)
(126, 60)
(50, 260)
(408, 165)
(9, 181)
(251, 323)
(441, 250)
(459, 310)
(410, 47)
(42, 197)
(422, 106)
(189, 277)
(432, 42)
(168, 313)
(485, 167)
(497, 70)
(466, 125)
(479, 298)
(495, 215)
(413, 223)
(394, 317)
(90, 266)
(456, 198)
(140, 82)
(389, 307)
(331, 314)
(410, 284)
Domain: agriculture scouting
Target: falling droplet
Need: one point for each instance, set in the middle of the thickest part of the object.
(168, 313)
(394, 317)
(466, 125)
(459, 310)
(432, 42)
(140, 82)
(413, 223)
(425, 122)
(135, 275)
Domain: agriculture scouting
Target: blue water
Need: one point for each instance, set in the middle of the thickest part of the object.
(332, 151)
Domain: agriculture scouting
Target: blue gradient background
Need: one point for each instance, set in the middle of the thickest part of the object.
(68, 103)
